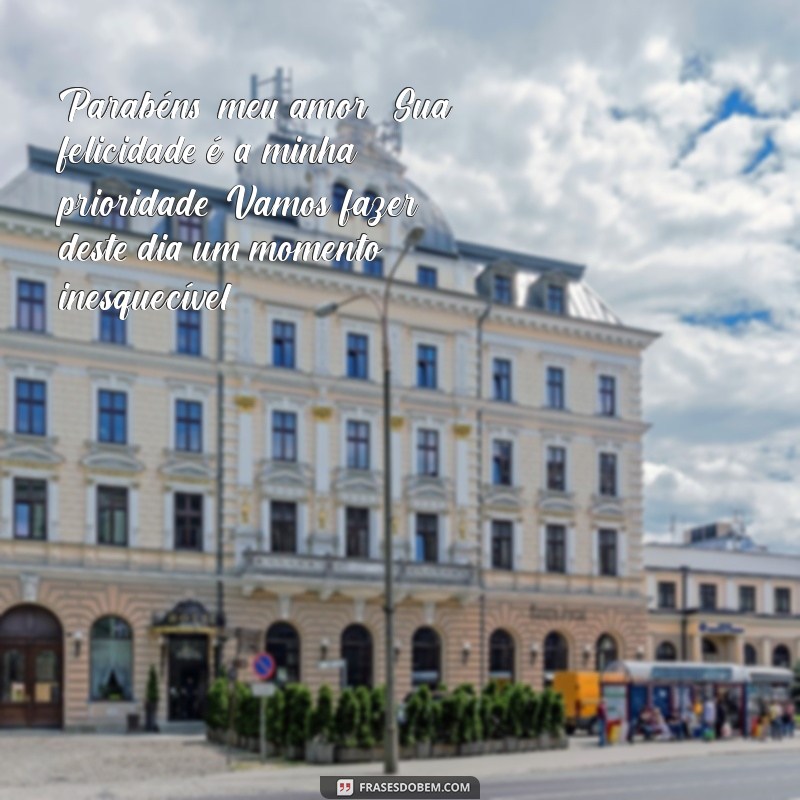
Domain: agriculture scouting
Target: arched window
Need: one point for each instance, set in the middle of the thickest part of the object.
(781, 657)
(750, 655)
(357, 652)
(666, 651)
(710, 651)
(426, 657)
(283, 644)
(605, 651)
(501, 655)
(339, 192)
(111, 659)
(556, 652)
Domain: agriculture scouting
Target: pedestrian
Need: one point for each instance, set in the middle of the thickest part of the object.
(775, 719)
(763, 719)
(788, 715)
(709, 718)
(719, 722)
(602, 722)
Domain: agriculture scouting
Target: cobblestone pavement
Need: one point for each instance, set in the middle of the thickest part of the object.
(61, 766)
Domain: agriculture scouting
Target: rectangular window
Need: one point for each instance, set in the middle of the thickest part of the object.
(501, 379)
(287, 244)
(502, 544)
(708, 596)
(502, 289)
(427, 276)
(30, 413)
(284, 436)
(283, 344)
(556, 469)
(428, 452)
(426, 366)
(30, 306)
(747, 599)
(608, 474)
(343, 263)
(190, 229)
(502, 454)
(189, 426)
(189, 329)
(374, 267)
(783, 601)
(30, 509)
(357, 525)
(283, 527)
(555, 387)
(112, 515)
(427, 538)
(357, 445)
(607, 552)
(113, 329)
(112, 410)
(666, 594)
(357, 356)
(555, 298)
(188, 521)
(607, 388)
(556, 548)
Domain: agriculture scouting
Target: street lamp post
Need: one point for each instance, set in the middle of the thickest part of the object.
(382, 307)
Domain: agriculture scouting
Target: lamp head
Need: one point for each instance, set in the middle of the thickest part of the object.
(326, 310)
(414, 236)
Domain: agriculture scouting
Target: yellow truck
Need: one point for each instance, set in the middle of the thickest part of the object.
(581, 693)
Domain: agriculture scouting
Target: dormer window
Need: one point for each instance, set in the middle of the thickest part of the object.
(113, 189)
(339, 193)
(372, 206)
(189, 229)
(555, 298)
(501, 290)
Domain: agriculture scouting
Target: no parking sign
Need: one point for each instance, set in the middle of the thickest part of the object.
(263, 666)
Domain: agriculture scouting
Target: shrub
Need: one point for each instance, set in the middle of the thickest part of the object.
(297, 714)
(450, 713)
(322, 717)
(555, 717)
(378, 716)
(364, 736)
(246, 712)
(152, 694)
(276, 722)
(217, 705)
(531, 714)
(425, 718)
(470, 727)
(493, 711)
(514, 710)
(346, 718)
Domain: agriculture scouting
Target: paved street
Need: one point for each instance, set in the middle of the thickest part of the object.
(78, 767)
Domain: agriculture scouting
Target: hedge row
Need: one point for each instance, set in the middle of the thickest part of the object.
(357, 720)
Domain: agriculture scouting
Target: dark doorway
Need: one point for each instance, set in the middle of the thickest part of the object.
(31, 669)
(357, 652)
(188, 677)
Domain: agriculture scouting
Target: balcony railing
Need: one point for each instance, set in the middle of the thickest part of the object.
(350, 569)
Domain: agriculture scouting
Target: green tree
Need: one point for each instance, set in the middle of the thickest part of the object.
(364, 736)
(276, 719)
(322, 718)
(346, 718)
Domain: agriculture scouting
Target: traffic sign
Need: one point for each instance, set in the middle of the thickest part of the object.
(331, 663)
(263, 666)
(263, 689)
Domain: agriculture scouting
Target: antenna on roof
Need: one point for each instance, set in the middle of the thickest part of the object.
(281, 86)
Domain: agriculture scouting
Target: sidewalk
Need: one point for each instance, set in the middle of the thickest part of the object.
(140, 767)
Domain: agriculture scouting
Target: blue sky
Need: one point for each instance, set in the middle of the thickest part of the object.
(658, 143)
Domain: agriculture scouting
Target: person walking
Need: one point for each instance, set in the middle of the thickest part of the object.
(602, 722)
(775, 715)
(709, 718)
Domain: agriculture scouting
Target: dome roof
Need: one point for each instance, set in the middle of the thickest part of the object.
(373, 166)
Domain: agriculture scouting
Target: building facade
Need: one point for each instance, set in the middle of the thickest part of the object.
(130, 538)
(719, 597)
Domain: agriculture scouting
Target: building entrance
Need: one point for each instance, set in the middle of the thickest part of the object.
(31, 669)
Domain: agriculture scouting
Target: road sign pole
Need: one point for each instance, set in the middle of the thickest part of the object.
(262, 729)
